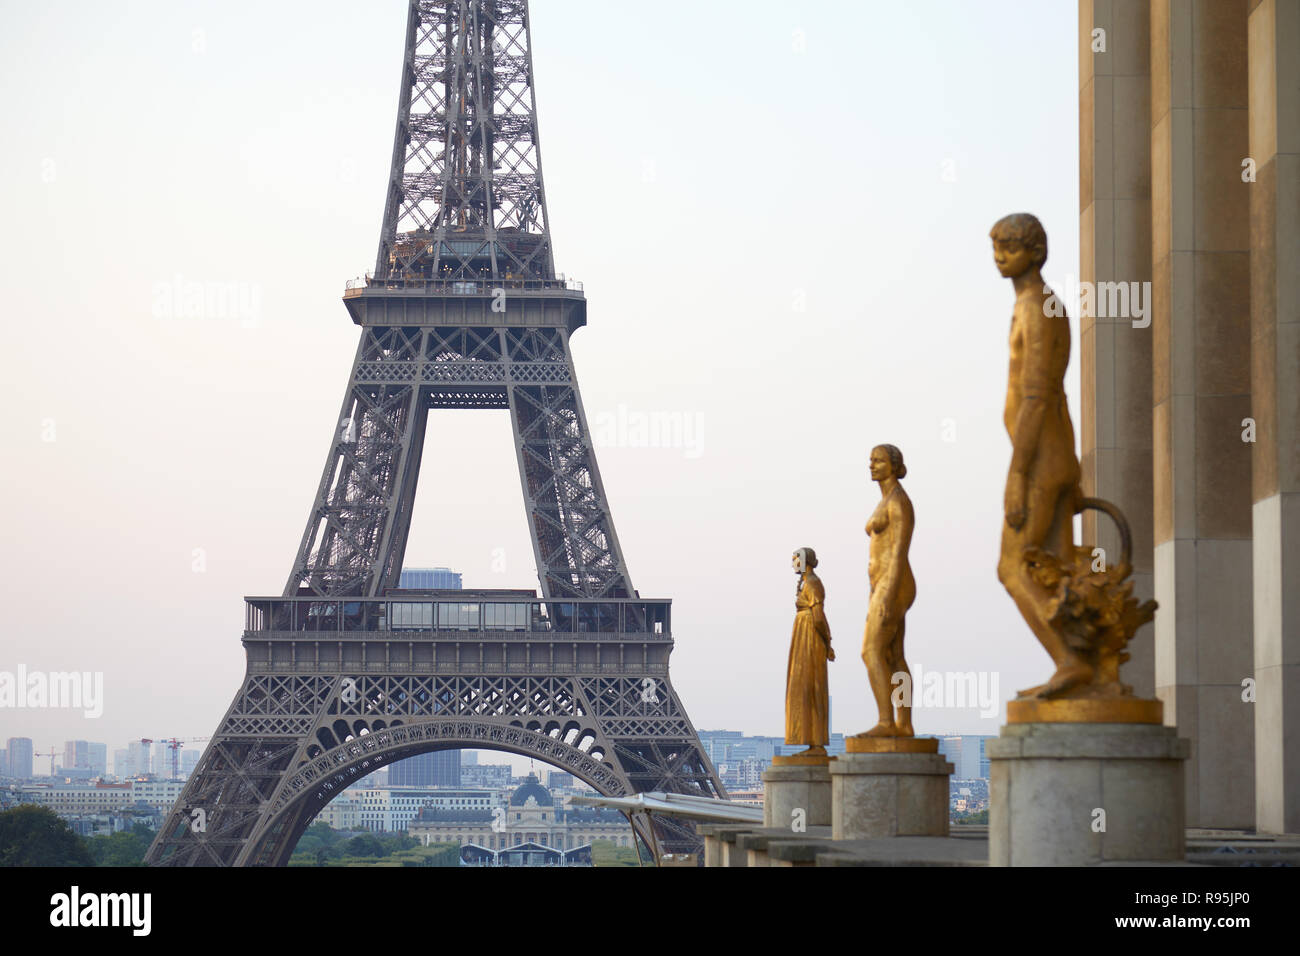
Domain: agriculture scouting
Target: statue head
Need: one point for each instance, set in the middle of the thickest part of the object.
(1019, 244)
(805, 559)
(886, 461)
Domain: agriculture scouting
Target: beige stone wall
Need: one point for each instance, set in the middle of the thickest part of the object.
(1201, 395)
(1273, 43)
(1115, 246)
(1164, 132)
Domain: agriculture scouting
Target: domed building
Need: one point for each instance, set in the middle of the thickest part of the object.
(530, 816)
(531, 794)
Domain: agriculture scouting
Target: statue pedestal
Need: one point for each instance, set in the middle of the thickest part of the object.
(797, 783)
(889, 787)
(1080, 793)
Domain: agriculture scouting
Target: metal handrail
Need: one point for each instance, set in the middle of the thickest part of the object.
(468, 285)
(455, 614)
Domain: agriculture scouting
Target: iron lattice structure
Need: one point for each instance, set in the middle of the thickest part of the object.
(464, 310)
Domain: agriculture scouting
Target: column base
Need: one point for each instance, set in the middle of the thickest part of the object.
(787, 789)
(889, 794)
(1078, 794)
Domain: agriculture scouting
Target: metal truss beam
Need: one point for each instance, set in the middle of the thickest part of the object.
(465, 194)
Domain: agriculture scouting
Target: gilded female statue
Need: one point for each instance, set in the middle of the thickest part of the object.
(807, 697)
(893, 589)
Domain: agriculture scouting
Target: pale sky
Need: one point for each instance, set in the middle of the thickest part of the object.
(780, 214)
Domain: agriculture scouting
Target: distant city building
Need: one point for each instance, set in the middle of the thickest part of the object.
(342, 813)
(740, 759)
(469, 758)
(137, 759)
(390, 809)
(967, 796)
(120, 763)
(71, 799)
(752, 797)
(950, 750)
(97, 755)
(530, 816)
(429, 579)
(76, 755)
(966, 754)
(74, 774)
(489, 776)
(81, 758)
(156, 792)
(108, 822)
(559, 780)
(732, 746)
(438, 769)
(189, 760)
(745, 774)
(20, 751)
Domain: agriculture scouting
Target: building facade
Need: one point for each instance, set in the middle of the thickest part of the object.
(391, 809)
(740, 759)
(489, 776)
(20, 751)
(97, 758)
(438, 769)
(1189, 172)
(529, 815)
(76, 755)
(429, 579)
(137, 759)
(72, 799)
(966, 754)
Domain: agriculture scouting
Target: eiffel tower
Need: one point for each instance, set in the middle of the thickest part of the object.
(347, 672)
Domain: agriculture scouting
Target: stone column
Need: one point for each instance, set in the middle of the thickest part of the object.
(1274, 55)
(1081, 794)
(889, 787)
(1201, 382)
(797, 793)
(1115, 247)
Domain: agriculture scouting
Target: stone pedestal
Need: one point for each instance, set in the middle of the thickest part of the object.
(794, 783)
(889, 787)
(1075, 794)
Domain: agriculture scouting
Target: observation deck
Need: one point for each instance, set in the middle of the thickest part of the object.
(416, 300)
(457, 632)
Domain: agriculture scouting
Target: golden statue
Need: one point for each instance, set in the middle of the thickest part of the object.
(893, 589)
(1080, 610)
(807, 696)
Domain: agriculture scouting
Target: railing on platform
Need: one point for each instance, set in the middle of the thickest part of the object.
(440, 615)
(467, 667)
(465, 286)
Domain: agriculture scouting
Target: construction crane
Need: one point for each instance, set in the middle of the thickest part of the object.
(174, 744)
(52, 754)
